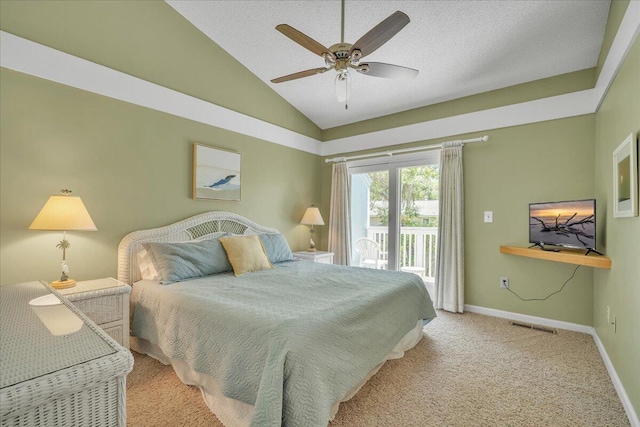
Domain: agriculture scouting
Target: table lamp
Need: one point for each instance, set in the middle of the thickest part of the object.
(312, 217)
(63, 213)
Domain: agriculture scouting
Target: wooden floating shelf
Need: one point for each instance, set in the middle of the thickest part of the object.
(565, 255)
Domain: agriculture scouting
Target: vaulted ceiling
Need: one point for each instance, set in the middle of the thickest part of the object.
(460, 47)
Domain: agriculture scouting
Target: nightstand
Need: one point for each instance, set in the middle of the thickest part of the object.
(106, 302)
(318, 256)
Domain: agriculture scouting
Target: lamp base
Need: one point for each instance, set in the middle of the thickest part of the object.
(63, 284)
(311, 250)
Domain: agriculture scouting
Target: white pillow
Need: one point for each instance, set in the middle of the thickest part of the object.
(145, 265)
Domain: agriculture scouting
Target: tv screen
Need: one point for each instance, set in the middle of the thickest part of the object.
(570, 224)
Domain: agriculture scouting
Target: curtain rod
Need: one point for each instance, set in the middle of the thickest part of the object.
(406, 150)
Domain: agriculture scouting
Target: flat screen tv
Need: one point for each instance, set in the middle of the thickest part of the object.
(570, 224)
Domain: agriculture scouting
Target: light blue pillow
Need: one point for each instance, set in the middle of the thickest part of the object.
(180, 261)
(276, 247)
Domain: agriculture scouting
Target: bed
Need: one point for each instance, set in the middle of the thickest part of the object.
(281, 346)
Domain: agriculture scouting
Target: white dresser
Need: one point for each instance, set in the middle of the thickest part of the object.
(317, 256)
(58, 368)
(106, 302)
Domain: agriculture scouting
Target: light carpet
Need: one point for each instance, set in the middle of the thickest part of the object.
(468, 370)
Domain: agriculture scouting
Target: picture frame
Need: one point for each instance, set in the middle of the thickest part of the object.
(625, 178)
(216, 173)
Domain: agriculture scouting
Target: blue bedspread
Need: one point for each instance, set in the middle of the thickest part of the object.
(291, 341)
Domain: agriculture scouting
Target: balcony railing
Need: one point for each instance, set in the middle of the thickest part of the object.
(417, 248)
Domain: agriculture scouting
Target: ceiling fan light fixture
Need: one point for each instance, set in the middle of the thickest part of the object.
(344, 56)
(343, 86)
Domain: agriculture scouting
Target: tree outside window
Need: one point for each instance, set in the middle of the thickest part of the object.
(419, 183)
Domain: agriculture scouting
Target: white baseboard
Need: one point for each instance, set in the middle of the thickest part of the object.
(530, 319)
(622, 394)
(626, 403)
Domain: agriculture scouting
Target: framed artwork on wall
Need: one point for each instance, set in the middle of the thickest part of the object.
(625, 178)
(216, 173)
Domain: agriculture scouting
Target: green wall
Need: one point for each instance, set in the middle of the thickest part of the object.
(132, 168)
(540, 162)
(131, 165)
(619, 288)
(150, 40)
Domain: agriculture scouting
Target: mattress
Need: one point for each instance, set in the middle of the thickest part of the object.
(234, 413)
(288, 343)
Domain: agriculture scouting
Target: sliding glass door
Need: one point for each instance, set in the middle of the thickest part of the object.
(394, 213)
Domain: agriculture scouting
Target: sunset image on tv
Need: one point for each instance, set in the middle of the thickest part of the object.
(571, 224)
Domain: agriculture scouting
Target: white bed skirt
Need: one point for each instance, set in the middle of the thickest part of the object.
(234, 413)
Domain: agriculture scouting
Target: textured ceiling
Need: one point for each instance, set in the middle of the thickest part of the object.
(460, 47)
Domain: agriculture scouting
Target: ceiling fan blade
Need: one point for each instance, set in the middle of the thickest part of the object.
(300, 75)
(388, 71)
(381, 33)
(304, 40)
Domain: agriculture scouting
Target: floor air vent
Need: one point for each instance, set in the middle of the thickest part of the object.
(535, 327)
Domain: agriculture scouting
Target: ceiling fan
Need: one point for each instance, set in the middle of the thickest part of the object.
(345, 56)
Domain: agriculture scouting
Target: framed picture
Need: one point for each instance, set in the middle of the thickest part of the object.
(625, 179)
(216, 173)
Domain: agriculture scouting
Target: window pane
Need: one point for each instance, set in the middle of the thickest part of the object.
(419, 220)
(370, 219)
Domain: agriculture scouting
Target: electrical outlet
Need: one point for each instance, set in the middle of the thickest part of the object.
(504, 282)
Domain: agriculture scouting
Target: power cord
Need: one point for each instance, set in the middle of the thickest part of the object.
(553, 293)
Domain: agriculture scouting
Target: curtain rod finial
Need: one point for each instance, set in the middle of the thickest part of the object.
(485, 138)
(336, 160)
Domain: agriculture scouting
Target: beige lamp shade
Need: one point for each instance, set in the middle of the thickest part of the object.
(312, 216)
(63, 213)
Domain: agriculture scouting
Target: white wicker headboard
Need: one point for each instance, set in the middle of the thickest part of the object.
(199, 227)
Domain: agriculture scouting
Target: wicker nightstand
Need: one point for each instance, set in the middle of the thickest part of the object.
(318, 256)
(106, 302)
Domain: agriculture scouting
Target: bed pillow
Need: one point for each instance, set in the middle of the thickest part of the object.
(276, 247)
(245, 254)
(180, 261)
(145, 265)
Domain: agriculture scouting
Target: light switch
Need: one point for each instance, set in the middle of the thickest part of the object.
(488, 216)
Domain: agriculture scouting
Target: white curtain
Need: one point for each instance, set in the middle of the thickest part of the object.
(340, 215)
(449, 287)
